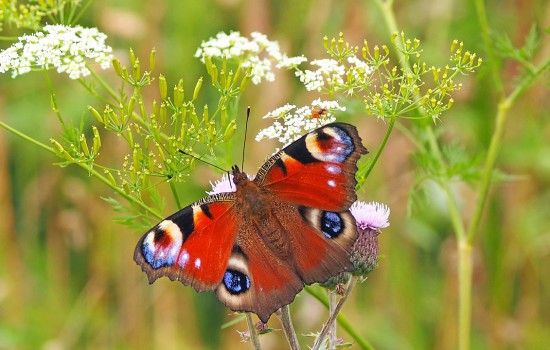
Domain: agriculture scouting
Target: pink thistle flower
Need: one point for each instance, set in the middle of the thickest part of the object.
(371, 215)
(224, 185)
(370, 218)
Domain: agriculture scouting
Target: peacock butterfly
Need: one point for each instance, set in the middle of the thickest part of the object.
(258, 246)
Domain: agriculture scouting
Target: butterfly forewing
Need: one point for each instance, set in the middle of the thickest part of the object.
(317, 170)
(193, 245)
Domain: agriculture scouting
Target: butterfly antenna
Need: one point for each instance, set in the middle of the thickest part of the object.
(245, 133)
(204, 161)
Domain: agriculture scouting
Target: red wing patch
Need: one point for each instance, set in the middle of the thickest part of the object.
(192, 246)
(317, 170)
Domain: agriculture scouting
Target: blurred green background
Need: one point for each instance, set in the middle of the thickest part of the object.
(67, 278)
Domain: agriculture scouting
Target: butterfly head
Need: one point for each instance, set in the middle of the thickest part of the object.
(238, 175)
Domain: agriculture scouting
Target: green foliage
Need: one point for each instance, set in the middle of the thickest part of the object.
(506, 49)
(155, 134)
(32, 14)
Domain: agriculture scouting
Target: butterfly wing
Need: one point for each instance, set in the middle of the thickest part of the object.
(317, 170)
(193, 245)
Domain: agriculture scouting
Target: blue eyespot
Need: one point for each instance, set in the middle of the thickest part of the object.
(236, 282)
(332, 224)
(343, 148)
(156, 257)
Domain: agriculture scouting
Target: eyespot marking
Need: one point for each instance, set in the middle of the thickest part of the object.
(332, 224)
(330, 144)
(331, 183)
(236, 282)
(161, 246)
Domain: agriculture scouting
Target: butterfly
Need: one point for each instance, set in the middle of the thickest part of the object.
(257, 246)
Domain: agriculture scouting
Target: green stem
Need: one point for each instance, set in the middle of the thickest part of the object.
(94, 93)
(334, 314)
(252, 330)
(104, 84)
(81, 12)
(342, 320)
(494, 146)
(175, 193)
(288, 328)
(465, 263)
(53, 100)
(363, 177)
(27, 138)
(486, 35)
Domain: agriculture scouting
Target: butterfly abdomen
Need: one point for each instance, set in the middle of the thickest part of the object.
(258, 205)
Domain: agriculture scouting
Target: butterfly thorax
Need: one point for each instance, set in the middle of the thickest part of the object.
(249, 195)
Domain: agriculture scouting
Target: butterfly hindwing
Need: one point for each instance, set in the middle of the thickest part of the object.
(257, 279)
(317, 170)
(193, 245)
(321, 241)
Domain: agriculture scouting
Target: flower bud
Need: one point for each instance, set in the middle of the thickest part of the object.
(163, 88)
(152, 59)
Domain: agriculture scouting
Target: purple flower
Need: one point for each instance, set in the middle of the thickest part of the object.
(370, 218)
(226, 184)
(371, 215)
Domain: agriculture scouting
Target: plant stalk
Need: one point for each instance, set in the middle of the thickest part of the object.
(253, 333)
(288, 328)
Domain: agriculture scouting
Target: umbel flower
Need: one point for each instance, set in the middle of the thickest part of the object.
(257, 53)
(290, 122)
(68, 49)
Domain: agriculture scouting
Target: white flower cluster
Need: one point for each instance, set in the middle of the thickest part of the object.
(330, 72)
(259, 53)
(291, 62)
(291, 122)
(62, 47)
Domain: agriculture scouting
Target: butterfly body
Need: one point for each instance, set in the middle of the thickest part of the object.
(259, 244)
